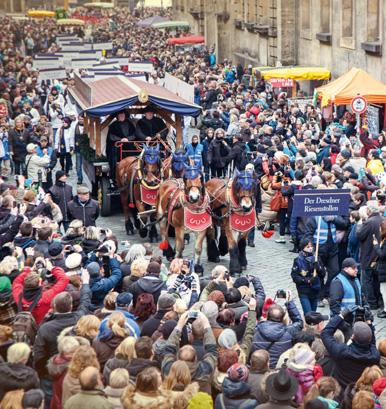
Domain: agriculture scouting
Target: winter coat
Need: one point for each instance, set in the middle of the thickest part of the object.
(365, 234)
(100, 286)
(217, 153)
(88, 212)
(151, 324)
(302, 274)
(70, 387)
(46, 344)
(114, 396)
(8, 307)
(105, 348)
(306, 379)
(130, 324)
(256, 381)
(44, 304)
(62, 195)
(237, 155)
(18, 141)
(17, 376)
(139, 364)
(65, 140)
(118, 361)
(89, 399)
(148, 284)
(350, 360)
(57, 369)
(235, 395)
(195, 153)
(34, 163)
(276, 337)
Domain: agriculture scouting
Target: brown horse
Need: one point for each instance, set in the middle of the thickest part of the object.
(183, 203)
(233, 203)
(138, 180)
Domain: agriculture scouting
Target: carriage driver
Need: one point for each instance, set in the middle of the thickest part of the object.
(150, 125)
(121, 130)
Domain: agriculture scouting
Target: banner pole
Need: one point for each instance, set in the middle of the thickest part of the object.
(317, 245)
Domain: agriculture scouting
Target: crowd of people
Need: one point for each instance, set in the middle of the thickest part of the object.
(85, 322)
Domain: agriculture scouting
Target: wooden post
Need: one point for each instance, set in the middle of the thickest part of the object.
(92, 132)
(179, 142)
(86, 124)
(98, 137)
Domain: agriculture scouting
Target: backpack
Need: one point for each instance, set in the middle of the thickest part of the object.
(24, 324)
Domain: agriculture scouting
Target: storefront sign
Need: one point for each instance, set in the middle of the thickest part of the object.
(282, 82)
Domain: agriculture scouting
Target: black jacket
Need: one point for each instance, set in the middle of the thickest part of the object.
(46, 343)
(17, 376)
(217, 153)
(236, 154)
(148, 284)
(87, 212)
(364, 234)
(146, 127)
(350, 360)
(62, 194)
(380, 251)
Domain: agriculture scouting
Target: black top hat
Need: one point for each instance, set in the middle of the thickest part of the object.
(281, 386)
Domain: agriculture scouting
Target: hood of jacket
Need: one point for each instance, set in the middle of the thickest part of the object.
(234, 390)
(330, 403)
(57, 365)
(139, 364)
(272, 331)
(150, 284)
(17, 372)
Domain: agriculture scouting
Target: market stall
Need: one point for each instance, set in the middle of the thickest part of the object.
(186, 40)
(171, 24)
(70, 22)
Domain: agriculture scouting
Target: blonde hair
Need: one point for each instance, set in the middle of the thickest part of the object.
(83, 357)
(322, 387)
(109, 300)
(12, 400)
(18, 352)
(117, 324)
(179, 374)
(92, 233)
(88, 326)
(180, 306)
(5, 333)
(126, 348)
(363, 400)
(368, 377)
(382, 347)
(68, 345)
(8, 264)
(119, 378)
(175, 266)
(138, 267)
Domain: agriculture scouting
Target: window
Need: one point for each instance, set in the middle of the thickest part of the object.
(263, 12)
(325, 10)
(306, 14)
(373, 13)
(347, 18)
(252, 11)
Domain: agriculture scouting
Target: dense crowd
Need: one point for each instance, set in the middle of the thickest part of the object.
(84, 322)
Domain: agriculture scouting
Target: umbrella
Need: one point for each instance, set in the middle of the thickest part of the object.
(70, 22)
(187, 40)
(171, 24)
(101, 5)
(148, 22)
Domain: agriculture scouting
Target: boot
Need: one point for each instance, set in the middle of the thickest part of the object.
(281, 239)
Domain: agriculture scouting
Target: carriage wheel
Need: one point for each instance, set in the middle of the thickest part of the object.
(104, 197)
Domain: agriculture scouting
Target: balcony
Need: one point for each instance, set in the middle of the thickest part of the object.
(223, 16)
(196, 14)
(239, 24)
(325, 38)
(372, 47)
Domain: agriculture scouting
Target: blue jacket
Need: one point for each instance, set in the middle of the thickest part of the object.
(100, 286)
(195, 153)
(235, 395)
(353, 244)
(302, 275)
(130, 324)
(350, 360)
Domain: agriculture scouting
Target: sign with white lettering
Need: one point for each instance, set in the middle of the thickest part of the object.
(83, 63)
(52, 74)
(326, 202)
(49, 62)
(103, 46)
(140, 67)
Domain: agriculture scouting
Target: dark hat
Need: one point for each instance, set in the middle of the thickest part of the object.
(167, 328)
(281, 386)
(362, 333)
(349, 262)
(67, 120)
(326, 140)
(153, 268)
(93, 269)
(304, 242)
(345, 153)
(241, 281)
(124, 299)
(315, 318)
(32, 398)
(55, 248)
(354, 175)
(148, 109)
(59, 174)
(166, 301)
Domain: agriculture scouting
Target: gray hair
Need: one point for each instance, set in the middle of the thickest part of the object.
(217, 271)
(136, 251)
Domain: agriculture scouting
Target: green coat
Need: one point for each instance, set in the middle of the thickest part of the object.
(89, 399)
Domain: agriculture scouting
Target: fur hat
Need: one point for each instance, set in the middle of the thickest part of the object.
(73, 261)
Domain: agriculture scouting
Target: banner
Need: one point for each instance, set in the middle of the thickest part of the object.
(326, 202)
(282, 82)
(50, 62)
(179, 87)
(71, 47)
(103, 46)
(140, 67)
(52, 74)
(82, 63)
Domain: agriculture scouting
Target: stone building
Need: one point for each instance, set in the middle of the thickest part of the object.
(337, 34)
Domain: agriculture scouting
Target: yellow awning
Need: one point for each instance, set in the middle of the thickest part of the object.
(40, 13)
(295, 73)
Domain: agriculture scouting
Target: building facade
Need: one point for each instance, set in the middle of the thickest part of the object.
(336, 34)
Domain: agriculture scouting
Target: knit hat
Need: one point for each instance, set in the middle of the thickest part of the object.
(31, 147)
(267, 303)
(241, 281)
(315, 318)
(210, 310)
(166, 302)
(217, 296)
(362, 333)
(124, 299)
(32, 280)
(238, 372)
(73, 261)
(227, 338)
(379, 386)
(55, 248)
(59, 174)
(93, 269)
(201, 400)
(167, 328)
(349, 262)
(301, 357)
(5, 284)
(346, 154)
(153, 268)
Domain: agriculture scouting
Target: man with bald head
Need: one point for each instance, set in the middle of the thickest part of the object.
(201, 370)
(91, 394)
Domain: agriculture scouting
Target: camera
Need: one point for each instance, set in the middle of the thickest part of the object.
(359, 314)
(281, 294)
(226, 275)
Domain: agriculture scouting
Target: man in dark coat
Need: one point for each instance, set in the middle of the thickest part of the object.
(150, 126)
(218, 152)
(237, 153)
(165, 304)
(61, 194)
(350, 360)
(365, 232)
(121, 130)
(82, 207)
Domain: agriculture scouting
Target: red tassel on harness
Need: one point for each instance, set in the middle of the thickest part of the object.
(164, 245)
(132, 205)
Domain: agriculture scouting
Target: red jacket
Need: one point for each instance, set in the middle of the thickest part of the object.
(44, 304)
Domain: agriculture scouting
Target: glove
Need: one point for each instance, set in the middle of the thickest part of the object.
(347, 312)
(368, 315)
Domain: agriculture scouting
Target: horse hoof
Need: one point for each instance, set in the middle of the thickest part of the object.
(198, 269)
(130, 232)
(143, 233)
